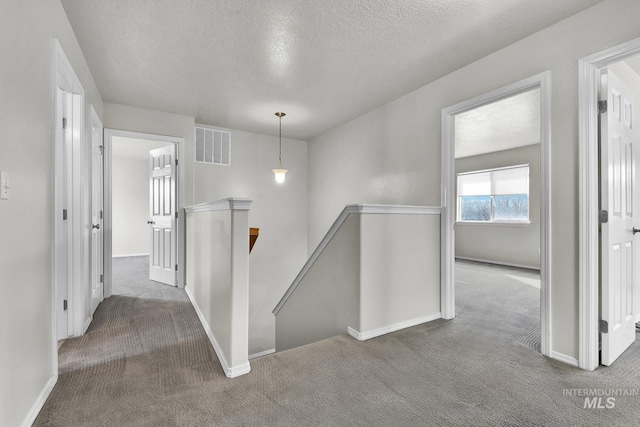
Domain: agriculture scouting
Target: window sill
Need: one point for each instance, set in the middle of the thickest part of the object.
(498, 223)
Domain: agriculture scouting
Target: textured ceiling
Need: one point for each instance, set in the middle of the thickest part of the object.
(234, 63)
(509, 123)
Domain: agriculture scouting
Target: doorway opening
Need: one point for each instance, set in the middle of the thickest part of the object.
(143, 205)
(495, 196)
(609, 306)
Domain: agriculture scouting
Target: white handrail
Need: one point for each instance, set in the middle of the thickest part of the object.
(348, 210)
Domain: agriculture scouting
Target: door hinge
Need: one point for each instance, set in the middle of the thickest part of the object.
(64, 123)
(176, 215)
(64, 214)
(100, 214)
(101, 278)
(602, 106)
(603, 217)
(64, 304)
(604, 326)
(176, 162)
(176, 267)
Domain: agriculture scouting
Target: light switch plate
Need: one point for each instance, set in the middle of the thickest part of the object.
(4, 185)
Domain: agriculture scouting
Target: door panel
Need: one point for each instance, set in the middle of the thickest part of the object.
(617, 175)
(162, 208)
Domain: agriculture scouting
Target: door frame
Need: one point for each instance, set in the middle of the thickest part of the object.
(108, 200)
(589, 248)
(67, 80)
(543, 82)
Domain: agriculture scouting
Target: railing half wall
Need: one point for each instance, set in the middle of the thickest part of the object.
(376, 271)
(217, 277)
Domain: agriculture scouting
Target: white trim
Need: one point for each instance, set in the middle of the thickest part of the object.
(348, 210)
(498, 223)
(507, 264)
(262, 353)
(230, 203)
(229, 371)
(128, 255)
(40, 401)
(87, 323)
(589, 261)
(362, 336)
(108, 200)
(564, 358)
(448, 196)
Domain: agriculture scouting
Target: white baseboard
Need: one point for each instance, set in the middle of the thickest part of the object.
(361, 336)
(564, 358)
(40, 401)
(128, 255)
(229, 371)
(262, 353)
(508, 264)
(87, 323)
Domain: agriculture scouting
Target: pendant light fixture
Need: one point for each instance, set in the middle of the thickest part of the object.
(280, 172)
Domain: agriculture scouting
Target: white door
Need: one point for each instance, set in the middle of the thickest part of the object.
(616, 246)
(162, 212)
(97, 261)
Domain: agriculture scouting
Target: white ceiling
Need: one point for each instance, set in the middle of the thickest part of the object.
(509, 123)
(234, 63)
(133, 148)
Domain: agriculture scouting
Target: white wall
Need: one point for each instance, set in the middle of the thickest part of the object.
(218, 280)
(392, 154)
(27, 353)
(632, 80)
(400, 269)
(130, 191)
(510, 244)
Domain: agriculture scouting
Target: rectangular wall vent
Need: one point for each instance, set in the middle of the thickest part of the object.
(213, 146)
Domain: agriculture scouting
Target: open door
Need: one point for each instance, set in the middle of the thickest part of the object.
(616, 243)
(97, 260)
(162, 212)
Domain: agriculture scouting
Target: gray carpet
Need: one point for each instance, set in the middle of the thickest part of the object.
(145, 361)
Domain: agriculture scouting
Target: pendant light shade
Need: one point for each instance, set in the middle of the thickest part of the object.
(280, 172)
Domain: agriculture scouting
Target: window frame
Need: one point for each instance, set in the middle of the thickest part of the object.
(493, 221)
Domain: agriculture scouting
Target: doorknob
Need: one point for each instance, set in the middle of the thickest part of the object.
(150, 222)
(635, 230)
(96, 226)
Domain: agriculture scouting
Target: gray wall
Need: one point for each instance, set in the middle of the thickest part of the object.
(28, 351)
(327, 300)
(392, 154)
(504, 243)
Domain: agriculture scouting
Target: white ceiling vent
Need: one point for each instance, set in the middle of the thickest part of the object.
(213, 146)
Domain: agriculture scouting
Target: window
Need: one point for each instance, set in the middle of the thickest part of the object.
(494, 195)
(213, 146)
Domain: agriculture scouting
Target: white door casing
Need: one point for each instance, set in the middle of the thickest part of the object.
(162, 214)
(62, 248)
(617, 176)
(97, 259)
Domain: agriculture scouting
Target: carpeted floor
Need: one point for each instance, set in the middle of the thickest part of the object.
(146, 361)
